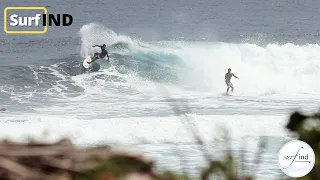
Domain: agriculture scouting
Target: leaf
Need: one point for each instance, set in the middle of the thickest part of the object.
(296, 120)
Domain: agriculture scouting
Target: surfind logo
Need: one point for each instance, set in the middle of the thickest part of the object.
(32, 20)
(296, 158)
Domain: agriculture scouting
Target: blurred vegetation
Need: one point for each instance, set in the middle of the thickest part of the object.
(307, 129)
(63, 161)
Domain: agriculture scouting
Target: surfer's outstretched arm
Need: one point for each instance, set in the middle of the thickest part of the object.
(235, 76)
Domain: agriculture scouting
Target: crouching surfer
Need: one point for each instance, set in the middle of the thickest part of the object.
(101, 55)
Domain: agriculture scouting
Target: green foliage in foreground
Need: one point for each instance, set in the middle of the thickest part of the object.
(306, 128)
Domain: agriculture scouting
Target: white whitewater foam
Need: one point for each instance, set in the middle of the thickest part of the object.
(138, 129)
(275, 69)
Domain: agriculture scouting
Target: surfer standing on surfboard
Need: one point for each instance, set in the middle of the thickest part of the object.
(228, 77)
(101, 55)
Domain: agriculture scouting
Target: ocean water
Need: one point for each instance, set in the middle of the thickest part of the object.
(165, 55)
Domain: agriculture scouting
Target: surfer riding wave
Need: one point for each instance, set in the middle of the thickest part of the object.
(228, 77)
(101, 55)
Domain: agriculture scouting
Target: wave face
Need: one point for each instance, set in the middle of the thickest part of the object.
(139, 67)
(273, 69)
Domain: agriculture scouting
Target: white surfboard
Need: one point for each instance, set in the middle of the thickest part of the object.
(86, 62)
(225, 94)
